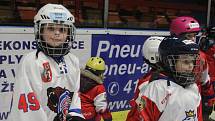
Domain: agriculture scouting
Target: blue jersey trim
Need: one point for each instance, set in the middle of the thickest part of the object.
(75, 110)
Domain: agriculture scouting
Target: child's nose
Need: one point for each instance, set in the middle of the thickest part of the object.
(57, 32)
(190, 67)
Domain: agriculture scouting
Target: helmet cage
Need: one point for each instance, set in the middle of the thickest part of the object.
(63, 48)
(184, 78)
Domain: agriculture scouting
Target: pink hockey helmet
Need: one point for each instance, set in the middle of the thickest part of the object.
(184, 24)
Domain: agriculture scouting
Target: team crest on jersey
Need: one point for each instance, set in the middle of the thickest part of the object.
(190, 116)
(47, 73)
(142, 104)
(59, 101)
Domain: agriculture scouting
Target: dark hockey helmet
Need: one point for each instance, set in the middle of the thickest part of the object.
(172, 50)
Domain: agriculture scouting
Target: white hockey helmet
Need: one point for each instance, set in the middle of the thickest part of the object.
(150, 48)
(54, 14)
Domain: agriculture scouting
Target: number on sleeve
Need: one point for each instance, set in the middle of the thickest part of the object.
(33, 101)
(28, 101)
(23, 105)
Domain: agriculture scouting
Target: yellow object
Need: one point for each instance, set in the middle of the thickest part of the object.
(119, 116)
(96, 64)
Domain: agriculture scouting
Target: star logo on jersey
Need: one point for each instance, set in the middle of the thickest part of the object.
(47, 73)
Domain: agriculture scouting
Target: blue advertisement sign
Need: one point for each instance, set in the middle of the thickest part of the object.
(124, 66)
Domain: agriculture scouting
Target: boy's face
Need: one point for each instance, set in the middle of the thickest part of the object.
(190, 36)
(185, 63)
(54, 34)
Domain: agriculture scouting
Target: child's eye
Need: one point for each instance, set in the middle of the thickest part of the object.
(62, 30)
(188, 61)
(50, 28)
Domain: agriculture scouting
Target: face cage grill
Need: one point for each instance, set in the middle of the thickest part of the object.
(63, 47)
(185, 78)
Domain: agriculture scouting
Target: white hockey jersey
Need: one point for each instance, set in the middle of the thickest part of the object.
(34, 76)
(159, 102)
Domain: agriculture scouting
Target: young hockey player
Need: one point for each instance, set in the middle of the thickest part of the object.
(188, 27)
(184, 27)
(207, 45)
(174, 95)
(150, 55)
(93, 95)
(48, 80)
